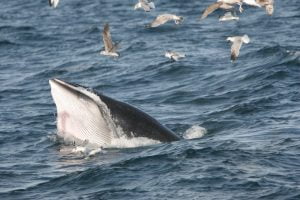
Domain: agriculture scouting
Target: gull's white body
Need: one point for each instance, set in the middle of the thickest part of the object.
(237, 42)
(53, 3)
(144, 4)
(112, 54)
(174, 55)
(228, 17)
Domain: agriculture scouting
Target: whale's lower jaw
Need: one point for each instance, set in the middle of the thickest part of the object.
(98, 119)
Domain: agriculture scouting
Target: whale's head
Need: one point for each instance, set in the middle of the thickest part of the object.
(93, 118)
(81, 114)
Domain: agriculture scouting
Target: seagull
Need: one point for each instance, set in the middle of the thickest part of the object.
(110, 49)
(164, 18)
(228, 16)
(145, 4)
(268, 4)
(223, 4)
(175, 56)
(53, 3)
(237, 42)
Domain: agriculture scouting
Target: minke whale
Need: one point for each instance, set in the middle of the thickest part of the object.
(90, 117)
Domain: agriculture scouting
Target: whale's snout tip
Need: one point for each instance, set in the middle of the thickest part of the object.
(55, 81)
(52, 81)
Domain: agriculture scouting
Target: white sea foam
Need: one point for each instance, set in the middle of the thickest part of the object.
(79, 149)
(86, 150)
(194, 132)
(124, 142)
(95, 151)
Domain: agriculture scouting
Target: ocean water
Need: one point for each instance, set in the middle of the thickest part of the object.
(249, 110)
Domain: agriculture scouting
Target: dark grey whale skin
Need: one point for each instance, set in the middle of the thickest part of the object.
(137, 123)
(134, 122)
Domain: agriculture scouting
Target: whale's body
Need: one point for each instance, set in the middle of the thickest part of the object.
(91, 117)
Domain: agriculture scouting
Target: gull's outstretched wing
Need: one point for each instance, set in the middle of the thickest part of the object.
(162, 19)
(211, 9)
(108, 45)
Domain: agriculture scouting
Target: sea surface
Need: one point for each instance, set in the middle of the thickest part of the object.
(249, 109)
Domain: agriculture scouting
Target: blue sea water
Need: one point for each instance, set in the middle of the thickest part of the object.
(250, 108)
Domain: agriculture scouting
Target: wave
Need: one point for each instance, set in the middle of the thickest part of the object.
(5, 43)
(10, 29)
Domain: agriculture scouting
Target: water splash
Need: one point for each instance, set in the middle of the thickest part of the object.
(194, 132)
(124, 142)
(86, 151)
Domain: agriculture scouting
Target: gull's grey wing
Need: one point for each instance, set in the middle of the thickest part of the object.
(161, 19)
(211, 9)
(108, 45)
(235, 48)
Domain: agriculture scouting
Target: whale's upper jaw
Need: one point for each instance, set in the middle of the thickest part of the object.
(79, 115)
(77, 90)
(58, 85)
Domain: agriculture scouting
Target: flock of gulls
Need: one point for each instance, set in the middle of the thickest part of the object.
(110, 48)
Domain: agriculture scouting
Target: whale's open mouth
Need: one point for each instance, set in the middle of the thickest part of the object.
(81, 114)
(97, 119)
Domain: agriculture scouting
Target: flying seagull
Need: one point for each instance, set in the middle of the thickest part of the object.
(222, 4)
(164, 18)
(110, 49)
(145, 4)
(237, 42)
(53, 3)
(268, 4)
(228, 16)
(175, 56)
